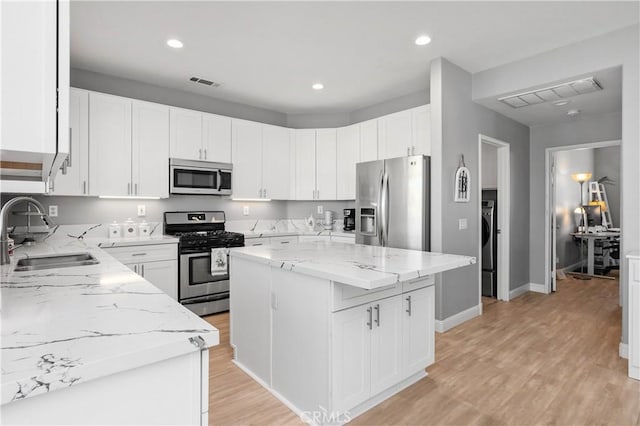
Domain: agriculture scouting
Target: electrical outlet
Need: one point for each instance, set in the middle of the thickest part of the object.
(462, 224)
(245, 210)
(320, 210)
(53, 211)
(142, 210)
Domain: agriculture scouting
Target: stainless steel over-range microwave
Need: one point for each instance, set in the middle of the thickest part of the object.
(199, 177)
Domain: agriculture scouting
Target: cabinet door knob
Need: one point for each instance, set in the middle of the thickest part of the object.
(370, 322)
(408, 305)
(205, 153)
(377, 308)
(200, 154)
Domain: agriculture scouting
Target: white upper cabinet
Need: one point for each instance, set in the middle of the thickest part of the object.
(75, 179)
(305, 164)
(246, 155)
(348, 148)
(276, 162)
(109, 145)
(186, 134)
(34, 79)
(368, 140)
(216, 138)
(421, 130)
(326, 164)
(150, 149)
(405, 133)
(395, 131)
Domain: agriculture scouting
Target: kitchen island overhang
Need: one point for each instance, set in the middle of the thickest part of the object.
(333, 329)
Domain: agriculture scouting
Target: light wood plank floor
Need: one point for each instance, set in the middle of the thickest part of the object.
(535, 360)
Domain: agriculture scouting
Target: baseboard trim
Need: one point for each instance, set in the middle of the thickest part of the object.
(519, 291)
(459, 318)
(537, 288)
(623, 350)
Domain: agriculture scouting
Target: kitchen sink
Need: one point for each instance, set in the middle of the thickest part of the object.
(59, 261)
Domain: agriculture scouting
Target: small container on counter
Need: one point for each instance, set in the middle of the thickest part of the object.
(115, 230)
(130, 228)
(144, 229)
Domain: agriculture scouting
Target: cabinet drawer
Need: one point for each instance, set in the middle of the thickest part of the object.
(418, 283)
(284, 240)
(340, 239)
(314, 238)
(248, 242)
(148, 253)
(345, 296)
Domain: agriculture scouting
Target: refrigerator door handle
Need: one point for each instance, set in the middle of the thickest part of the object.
(384, 219)
(379, 210)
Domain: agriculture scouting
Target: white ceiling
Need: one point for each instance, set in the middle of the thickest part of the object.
(267, 54)
(605, 101)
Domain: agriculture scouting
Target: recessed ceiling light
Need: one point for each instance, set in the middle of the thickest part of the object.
(573, 112)
(423, 40)
(176, 44)
(561, 103)
(318, 86)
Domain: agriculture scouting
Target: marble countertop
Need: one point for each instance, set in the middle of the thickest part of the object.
(633, 255)
(134, 241)
(358, 265)
(268, 233)
(71, 325)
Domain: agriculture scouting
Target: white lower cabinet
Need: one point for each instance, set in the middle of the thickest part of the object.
(157, 263)
(634, 317)
(418, 329)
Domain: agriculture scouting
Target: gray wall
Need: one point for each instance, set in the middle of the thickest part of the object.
(318, 121)
(104, 83)
(392, 105)
(583, 130)
(606, 162)
(457, 122)
(568, 197)
(619, 48)
(489, 166)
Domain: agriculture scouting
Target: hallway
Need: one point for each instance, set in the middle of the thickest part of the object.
(535, 360)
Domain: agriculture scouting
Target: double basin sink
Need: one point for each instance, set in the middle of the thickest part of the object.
(58, 261)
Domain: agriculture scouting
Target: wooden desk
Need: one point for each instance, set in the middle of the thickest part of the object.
(591, 237)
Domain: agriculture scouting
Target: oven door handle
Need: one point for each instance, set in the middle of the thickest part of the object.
(203, 299)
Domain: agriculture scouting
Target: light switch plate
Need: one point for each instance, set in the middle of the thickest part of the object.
(142, 210)
(462, 224)
(53, 211)
(245, 210)
(320, 210)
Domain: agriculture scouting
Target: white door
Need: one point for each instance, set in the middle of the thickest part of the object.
(76, 180)
(186, 134)
(386, 344)
(163, 275)
(348, 140)
(276, 162)
(109, 145)
(417, 330)
(351, 355)
(305, 161)
(396, 137)
(216, 138)
(246, 154)
(369, 140)
(421, 130)
(326, 164)
(150, 142)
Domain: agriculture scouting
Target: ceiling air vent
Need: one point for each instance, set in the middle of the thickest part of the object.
(205, 82)
(553, 93)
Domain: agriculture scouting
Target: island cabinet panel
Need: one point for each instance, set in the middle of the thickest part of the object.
(166, 392)
(250, 307)
(300, 330)
(351, 353)
(418, 329)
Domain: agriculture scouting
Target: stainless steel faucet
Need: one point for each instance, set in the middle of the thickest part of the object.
(4, 214)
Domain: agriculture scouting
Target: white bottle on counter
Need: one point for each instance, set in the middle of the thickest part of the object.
(144, 229)
(130, 228)
(115, 230)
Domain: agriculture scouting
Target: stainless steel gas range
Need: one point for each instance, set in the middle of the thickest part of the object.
(199, 290)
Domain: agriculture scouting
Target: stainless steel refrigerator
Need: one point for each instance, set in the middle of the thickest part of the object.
(392, 202)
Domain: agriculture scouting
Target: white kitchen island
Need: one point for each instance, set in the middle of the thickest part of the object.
(333, 329)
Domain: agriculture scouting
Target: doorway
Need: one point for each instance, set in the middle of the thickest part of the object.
(496, 177)
(565, 251)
